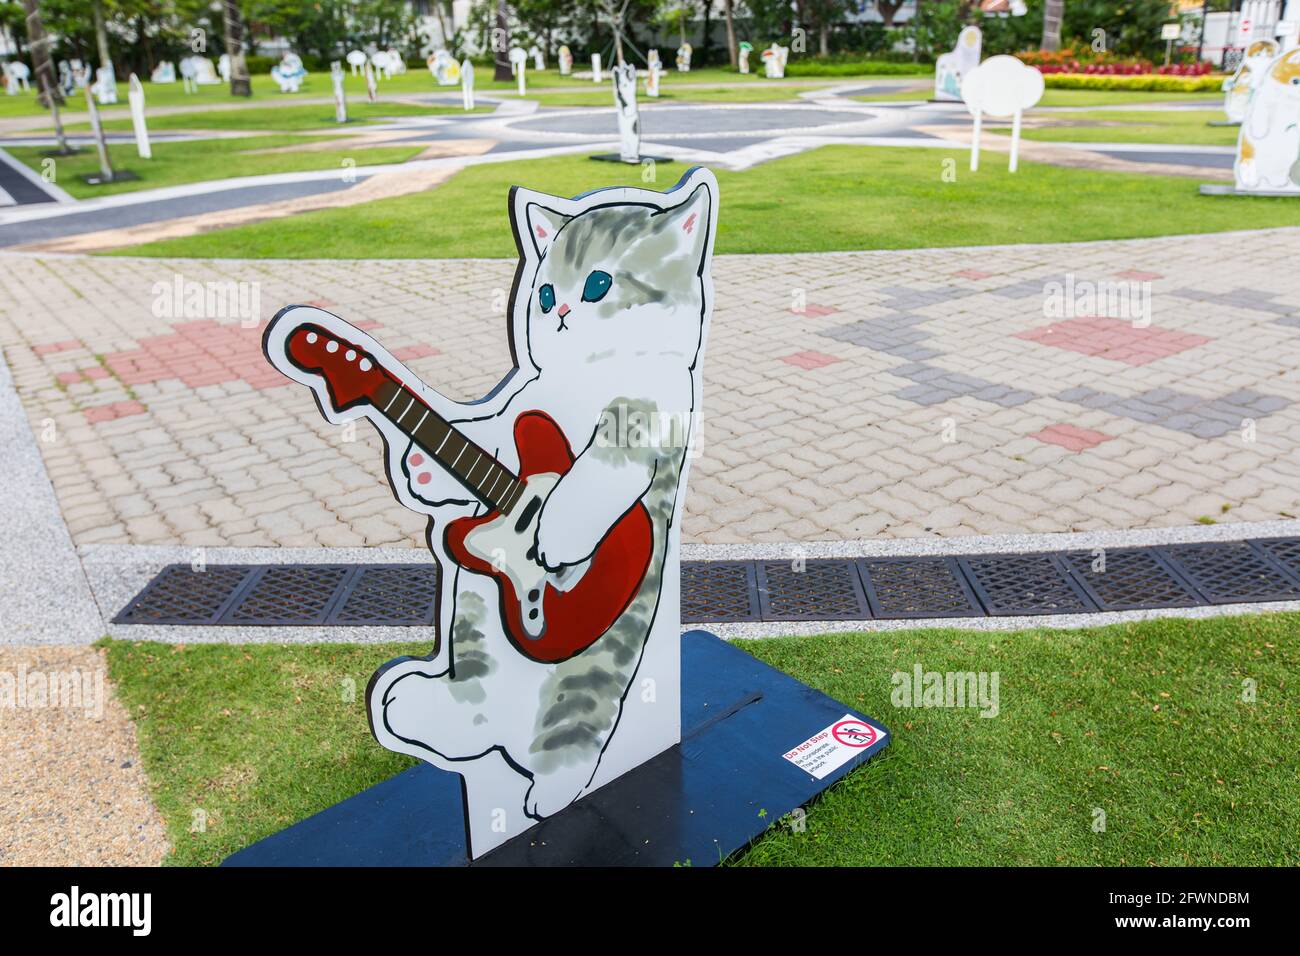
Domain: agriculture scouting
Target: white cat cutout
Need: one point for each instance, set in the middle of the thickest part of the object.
(608, 320)
(1268, 146)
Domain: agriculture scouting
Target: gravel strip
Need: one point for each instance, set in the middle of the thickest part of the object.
(73, 792)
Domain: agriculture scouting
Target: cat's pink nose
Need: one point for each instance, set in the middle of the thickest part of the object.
(564, 310)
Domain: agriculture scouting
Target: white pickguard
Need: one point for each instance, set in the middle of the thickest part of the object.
(507, 550)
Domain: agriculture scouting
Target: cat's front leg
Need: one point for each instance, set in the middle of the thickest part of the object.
(589, 500)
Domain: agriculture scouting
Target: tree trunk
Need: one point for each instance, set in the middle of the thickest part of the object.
(38, 43)
(442, 23)
(1052, 11)
(233, 25)
(731, 35)
(704, 41)
(501, 44)
(101, 34)
(824, 40)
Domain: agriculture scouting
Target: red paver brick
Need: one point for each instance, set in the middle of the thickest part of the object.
(52, 347)
(1113, 339)
(810, 360)
(201, 352)
(68, 378)
(106, 413)
(973, 274)
(95, 372)
(415, 352)
(1071, 437)
(815, 310)
(1137, 275)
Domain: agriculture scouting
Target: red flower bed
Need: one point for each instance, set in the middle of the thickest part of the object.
(1103, 64)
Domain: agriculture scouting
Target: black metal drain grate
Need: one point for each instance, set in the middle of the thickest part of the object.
(1285, 551)
(1015, 584)
(287, 594)
(1129, 579)
(819, 590)
(181, 595)
(1232, 573)
(719, 591)
(401, 595)
(715, 592)
(917, 587)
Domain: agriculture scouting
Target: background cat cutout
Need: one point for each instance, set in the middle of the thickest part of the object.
(1268, 146)
(554, 503)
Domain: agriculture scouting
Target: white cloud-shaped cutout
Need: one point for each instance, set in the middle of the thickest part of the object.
(1001, 85)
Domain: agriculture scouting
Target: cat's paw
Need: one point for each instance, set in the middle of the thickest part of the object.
(561, 540)
(552, 793)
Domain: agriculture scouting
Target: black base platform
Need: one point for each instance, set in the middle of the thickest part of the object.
(699, 801)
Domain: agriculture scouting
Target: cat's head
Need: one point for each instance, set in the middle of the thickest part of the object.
(618, 274)
(1286, 71)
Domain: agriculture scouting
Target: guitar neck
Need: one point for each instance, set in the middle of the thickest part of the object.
(482, 475)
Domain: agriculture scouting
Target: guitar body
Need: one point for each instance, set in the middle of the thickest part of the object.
(551, 616)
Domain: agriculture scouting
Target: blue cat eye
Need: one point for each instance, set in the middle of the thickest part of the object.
(546, 297)
(598, 284)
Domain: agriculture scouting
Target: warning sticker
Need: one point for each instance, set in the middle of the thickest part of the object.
(832, 748)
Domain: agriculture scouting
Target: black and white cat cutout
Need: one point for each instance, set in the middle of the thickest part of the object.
(554, 503)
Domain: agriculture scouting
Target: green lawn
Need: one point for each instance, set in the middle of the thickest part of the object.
(1145, 721)
(289, 118)
(833, 198)
(415, 81)
(1064, 97)
(187, 162)
(1190, 127)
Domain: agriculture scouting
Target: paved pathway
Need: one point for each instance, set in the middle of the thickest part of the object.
(917, 393)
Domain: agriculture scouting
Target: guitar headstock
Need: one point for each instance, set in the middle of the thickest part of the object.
(351, 374)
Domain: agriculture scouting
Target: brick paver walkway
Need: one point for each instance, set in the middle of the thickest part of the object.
(847, 395)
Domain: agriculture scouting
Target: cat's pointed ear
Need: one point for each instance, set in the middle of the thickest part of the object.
(694, 218)
(536, 218)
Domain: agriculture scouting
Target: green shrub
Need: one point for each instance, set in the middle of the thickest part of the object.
(847, 67)
(1150, 82)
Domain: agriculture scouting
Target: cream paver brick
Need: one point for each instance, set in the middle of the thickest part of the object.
(786, 453)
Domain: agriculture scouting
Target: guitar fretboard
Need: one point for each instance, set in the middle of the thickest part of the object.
(485, 477)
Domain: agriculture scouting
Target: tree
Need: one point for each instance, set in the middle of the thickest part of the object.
(233, 30)
(888, 9)
(501, 44)
(819, 15)
(731, 35)
(1052, 13)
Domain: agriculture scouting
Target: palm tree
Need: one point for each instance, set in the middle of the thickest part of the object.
(1052, 13)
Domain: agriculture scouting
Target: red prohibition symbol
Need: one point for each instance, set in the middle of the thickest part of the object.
(854, 733)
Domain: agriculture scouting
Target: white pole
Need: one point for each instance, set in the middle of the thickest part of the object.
(1015, 141)
(595, 67)
(520, 76)
(975, 142)
(340, 98)
(467, 84)
(135, 96)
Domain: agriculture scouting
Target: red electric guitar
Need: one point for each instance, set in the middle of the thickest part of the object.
(549, 615)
